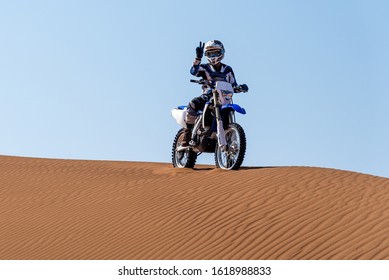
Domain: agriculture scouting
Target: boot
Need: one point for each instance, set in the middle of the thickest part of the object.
(187, 135)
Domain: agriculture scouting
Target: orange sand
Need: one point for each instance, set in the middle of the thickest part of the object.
(74, 209)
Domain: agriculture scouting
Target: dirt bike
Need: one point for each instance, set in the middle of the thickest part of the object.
(215, 130)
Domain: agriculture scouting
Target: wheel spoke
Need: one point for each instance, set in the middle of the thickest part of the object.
(232, 156)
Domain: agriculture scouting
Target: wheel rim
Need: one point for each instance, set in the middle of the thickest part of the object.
(228, 157)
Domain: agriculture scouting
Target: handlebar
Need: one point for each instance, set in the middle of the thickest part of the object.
(212, 85)
(201, 82)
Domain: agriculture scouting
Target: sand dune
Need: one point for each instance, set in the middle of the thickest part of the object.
(73, 209)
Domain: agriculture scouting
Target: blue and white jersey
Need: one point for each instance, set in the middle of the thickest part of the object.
(209, 72)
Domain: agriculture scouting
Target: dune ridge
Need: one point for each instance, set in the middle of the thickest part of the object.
(84, 209)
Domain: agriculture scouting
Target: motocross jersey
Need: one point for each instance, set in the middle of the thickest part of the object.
(208, 72)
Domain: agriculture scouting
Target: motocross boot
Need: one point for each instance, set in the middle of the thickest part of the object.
(187, 135)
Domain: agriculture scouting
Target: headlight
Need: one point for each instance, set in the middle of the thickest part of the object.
(227, 94)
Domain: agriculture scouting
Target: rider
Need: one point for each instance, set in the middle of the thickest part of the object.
(212, 71)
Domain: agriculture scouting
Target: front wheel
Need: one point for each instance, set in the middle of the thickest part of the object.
(182, 159)
(231, 157)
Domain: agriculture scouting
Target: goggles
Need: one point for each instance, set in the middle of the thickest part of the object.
(213, 53)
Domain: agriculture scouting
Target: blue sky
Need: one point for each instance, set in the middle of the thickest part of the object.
(97, 79)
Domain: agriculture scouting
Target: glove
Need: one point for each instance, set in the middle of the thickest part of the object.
(244, 87)
(200, 51)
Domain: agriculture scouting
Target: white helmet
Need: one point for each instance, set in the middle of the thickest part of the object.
(214, 51)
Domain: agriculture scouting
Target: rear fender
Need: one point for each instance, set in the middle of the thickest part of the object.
(179, 115)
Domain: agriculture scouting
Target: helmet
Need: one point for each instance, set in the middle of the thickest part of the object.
(214, 51)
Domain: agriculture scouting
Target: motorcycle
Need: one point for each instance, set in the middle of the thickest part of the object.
(215, 130)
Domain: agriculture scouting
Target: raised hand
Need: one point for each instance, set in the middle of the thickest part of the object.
(200, 50)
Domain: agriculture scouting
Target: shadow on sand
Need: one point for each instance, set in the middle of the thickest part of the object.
(207, 168)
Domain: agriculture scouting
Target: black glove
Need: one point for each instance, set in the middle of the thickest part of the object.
(244, 87)
(200, 50)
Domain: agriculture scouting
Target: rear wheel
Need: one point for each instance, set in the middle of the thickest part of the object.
(231, 157)
(182, 159)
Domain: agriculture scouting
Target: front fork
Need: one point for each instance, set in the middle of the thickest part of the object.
(221, 137)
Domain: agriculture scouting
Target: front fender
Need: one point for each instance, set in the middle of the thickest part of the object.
(234, 107)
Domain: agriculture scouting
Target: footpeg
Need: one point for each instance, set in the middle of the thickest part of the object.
(181, 148)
